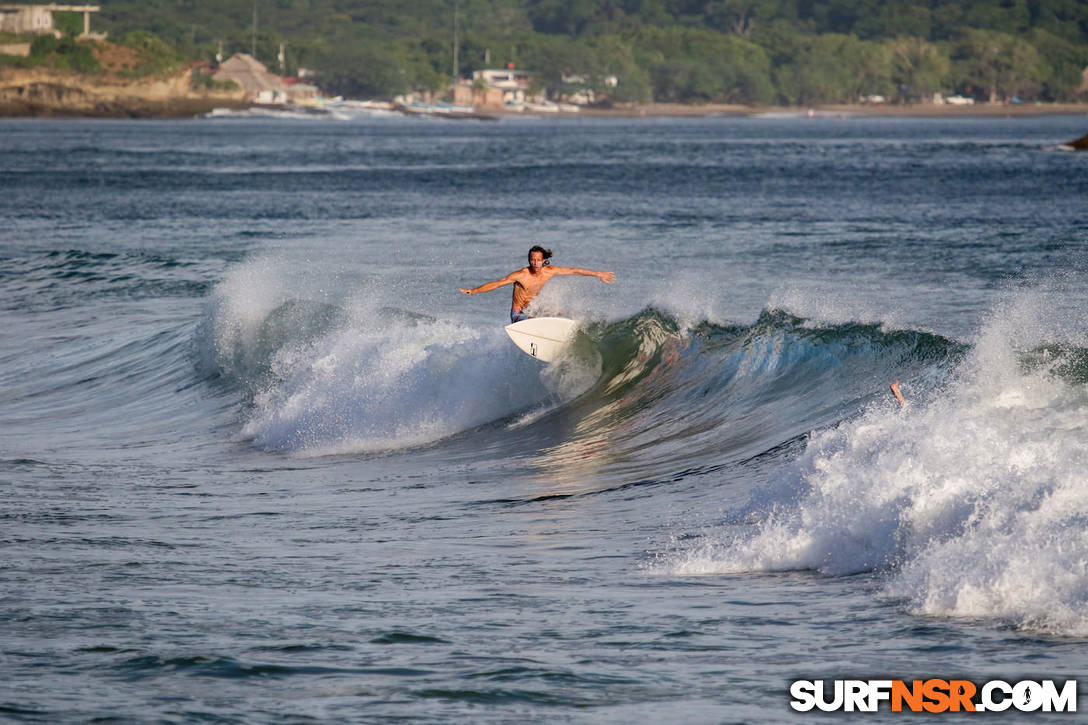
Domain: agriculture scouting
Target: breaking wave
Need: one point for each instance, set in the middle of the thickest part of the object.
(969, 503)
(349, 376)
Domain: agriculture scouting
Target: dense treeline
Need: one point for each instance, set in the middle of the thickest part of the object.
(733, 51)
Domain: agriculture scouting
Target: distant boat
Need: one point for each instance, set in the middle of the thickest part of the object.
(367, 105)
(288, 111)
(531, 107)
(443, 110)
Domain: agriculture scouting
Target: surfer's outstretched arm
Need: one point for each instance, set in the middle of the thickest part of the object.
(488, 286)
(606, 277)
(899, 395)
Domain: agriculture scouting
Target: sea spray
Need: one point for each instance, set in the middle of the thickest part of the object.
(1022, 554)
(971, 503)
(259, 311)
(329, 373)
(363, 390)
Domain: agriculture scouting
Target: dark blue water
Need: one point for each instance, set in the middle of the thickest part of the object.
(261, 462)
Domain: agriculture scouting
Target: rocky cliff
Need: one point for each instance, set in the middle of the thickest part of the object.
(46, 92)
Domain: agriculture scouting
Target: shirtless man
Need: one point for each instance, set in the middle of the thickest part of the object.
(528, 281)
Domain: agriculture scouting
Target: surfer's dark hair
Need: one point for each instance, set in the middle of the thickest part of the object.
(537, 248)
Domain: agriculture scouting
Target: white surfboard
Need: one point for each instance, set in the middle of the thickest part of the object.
(542, 337)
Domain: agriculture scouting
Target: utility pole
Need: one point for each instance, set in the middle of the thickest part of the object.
(456, 75)
(253, 42)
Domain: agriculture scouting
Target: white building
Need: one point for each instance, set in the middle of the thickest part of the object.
(38, 19)
(514, 84)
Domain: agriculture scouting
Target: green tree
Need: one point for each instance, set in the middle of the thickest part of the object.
(551, 57)
(831, 68)
(157, 57)
(895, 18)
(866, 65)
(362, 71)
(1063, 64)
(68, 23)
(563, 17)
(918, 69)
(1005, 16)
(617, 59)
(592, 61)
(737, 17)
(63, 54)
(1000, 64)
(700, 66)
(1067, 19)
(426, 69)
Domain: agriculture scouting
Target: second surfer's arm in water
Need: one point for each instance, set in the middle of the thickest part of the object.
(899, 395)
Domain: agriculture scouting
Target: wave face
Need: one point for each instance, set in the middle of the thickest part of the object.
(639, 395)
(971, 502)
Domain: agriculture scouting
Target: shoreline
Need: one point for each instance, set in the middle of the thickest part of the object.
(677, 110)
(49, 93)
(67, 100)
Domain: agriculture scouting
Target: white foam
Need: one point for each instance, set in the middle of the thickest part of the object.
(238, 308)
(973, 504)
(375, 380)
(694, 296)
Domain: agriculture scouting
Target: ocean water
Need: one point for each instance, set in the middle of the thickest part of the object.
(261, 462)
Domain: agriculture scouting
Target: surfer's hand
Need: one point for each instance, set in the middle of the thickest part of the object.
(607, 277)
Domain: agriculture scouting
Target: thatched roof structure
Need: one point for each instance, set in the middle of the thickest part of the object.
(252, 76)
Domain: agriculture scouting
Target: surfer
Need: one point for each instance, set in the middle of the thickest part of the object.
(528, 281)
